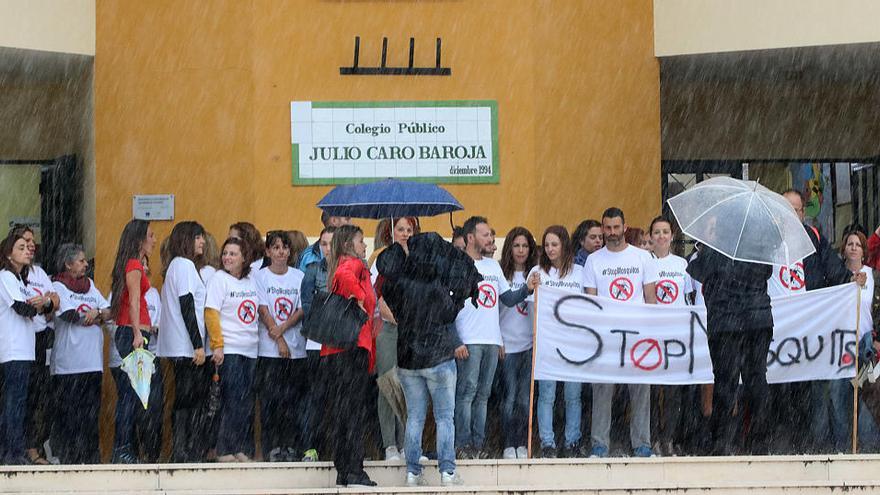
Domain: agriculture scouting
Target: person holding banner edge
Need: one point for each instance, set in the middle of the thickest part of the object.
(673, 288)
(518, 256)
(628, 274)
(556, 268)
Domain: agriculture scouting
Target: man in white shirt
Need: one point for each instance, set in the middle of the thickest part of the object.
(480, 333)
(627, 274)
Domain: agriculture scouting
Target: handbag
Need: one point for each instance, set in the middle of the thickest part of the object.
(334, 321)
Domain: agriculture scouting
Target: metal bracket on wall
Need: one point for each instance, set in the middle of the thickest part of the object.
(383, 70)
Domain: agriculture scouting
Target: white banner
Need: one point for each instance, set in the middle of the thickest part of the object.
(592, 339)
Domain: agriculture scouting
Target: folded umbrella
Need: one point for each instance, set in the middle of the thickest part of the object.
(139, 366)
(742, 220)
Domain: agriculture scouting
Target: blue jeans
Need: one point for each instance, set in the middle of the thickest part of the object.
(573, 408)
(237, 392)
(14, 378)
(439, 383)
(472, 389)
(516, 374)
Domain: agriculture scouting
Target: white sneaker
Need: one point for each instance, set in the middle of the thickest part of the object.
(422, 459)
(450, 479)
(416, 480)
(49, 457)
(391, 454)
(522, 453)
(509, 453)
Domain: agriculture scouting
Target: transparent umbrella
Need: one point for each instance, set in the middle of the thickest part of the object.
(743, 220)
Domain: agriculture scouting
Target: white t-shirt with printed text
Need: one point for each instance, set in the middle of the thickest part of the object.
(480, 325)
(280, 294)
(39, 284)
(154, 307)
(17, 333)
(181, 278)
(516, 322)
(620, 275)
(237, 302)
(78, 348)
(673, 281)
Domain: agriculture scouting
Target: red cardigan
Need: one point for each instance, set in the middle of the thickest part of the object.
(352, 279)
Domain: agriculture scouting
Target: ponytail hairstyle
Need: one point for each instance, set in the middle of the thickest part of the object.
(508, 265)
(130, 242)
(342, 245)
(566, 257)
(248, 233)
(181, 243)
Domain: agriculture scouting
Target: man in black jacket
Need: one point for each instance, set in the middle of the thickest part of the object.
(425, 290)
(740, 327)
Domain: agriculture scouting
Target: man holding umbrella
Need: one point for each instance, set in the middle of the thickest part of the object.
(745, 229)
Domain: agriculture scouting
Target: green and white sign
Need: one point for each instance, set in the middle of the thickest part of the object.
(430, 141)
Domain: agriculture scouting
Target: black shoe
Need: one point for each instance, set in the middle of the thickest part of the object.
(480, 454)
(570, 451)
(124, 455)
(463, 453)
(548, 452)
(341, 479)
(359, 479)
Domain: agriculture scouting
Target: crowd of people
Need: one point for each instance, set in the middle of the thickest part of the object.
(226, 328)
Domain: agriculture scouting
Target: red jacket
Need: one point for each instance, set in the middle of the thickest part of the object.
(874, 251)
(352, 279)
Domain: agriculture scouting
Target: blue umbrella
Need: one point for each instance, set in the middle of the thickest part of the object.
(389, 198)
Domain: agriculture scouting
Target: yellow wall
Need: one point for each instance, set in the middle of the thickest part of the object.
(192, 98)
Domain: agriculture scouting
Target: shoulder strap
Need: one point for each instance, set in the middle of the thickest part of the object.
(816, 231)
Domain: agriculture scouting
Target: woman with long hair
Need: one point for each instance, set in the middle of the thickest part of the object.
(129, 310)
(348, 370)
(77, 358)
(556, 267)
(39, 390)
(231, 319)
(518, 256)
(282, 350)
(248, 233)
(18, 306)
(182, 343)
(673, 289)
(209, 262)
(298, 243)
(386, 340)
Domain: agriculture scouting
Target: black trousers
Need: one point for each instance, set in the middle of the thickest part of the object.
(734, 354)
(77, 405)
(347, 381)
(190, 425)
(39, 417)
(280, 389)
(311, 409)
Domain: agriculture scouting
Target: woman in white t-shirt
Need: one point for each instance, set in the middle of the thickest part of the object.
(209, 261)
(248, 233)
(556, 268)
(673, 288)
(282, 351)
(518, 256)
(39, 389)
(183, 341)
(18, 306)
(231, 319)
(77, 359)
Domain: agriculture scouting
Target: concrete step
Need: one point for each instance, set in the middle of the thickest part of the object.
(716, 475)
